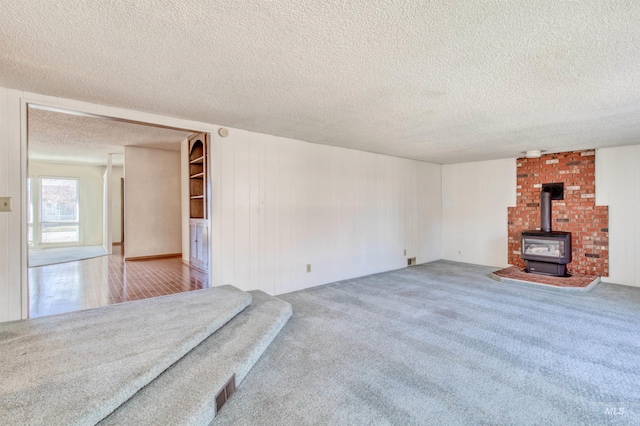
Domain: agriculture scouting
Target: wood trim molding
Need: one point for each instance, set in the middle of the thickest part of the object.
(155, 257)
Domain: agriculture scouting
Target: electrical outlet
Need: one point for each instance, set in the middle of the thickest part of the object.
(459, 251)
(308, 267)
(405, 252)
(5, 204)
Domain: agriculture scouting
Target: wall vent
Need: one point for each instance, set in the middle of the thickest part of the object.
(411, 261)
(225, 393)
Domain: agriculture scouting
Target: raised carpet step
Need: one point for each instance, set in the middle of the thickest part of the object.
(76, 368)
(185, 393)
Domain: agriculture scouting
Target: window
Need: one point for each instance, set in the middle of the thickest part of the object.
(59, 218)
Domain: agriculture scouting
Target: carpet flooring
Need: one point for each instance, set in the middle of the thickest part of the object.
(76, 368)
(185, 394)
(442, 343)
(53, 256)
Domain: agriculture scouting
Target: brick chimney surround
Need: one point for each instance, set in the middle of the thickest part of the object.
(577, 213)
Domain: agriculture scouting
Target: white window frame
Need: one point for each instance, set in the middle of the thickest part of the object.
(40, 222)
(30, 209)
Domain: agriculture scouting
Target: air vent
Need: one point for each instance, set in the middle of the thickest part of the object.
(411, 261)
(225, 393)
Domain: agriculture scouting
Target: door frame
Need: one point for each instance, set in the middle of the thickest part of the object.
(122, 213)
(85, 109)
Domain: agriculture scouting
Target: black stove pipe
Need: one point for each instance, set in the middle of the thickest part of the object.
(545, 211)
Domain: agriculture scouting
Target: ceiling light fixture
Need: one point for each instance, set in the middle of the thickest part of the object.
(534, 153)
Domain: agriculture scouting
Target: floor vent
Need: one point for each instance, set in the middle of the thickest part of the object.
(411, 261)
(225, 393)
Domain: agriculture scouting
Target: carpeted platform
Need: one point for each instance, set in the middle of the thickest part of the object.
(185, 393)
(442, 343)
(64, 254)
(76, 368)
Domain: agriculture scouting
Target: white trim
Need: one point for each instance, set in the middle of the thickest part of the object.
(24, 173)
(102, 111)
(107, 208)
(104, 117)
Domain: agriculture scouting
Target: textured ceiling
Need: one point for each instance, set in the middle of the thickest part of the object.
(432, 80)
(60, 137)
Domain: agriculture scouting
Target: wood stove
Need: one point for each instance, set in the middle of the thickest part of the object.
(545, 251)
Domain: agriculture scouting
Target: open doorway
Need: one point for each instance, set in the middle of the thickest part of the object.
(77, 220)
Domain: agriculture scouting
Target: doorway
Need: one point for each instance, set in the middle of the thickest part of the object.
(62, 207)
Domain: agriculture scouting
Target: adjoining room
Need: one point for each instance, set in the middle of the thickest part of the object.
(78, 213)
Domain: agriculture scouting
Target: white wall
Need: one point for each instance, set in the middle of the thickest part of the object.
(475, 197)
(280, 204)
(117, 173)
(90, 189)
(153, 211)
(618, 186)
(12, 247)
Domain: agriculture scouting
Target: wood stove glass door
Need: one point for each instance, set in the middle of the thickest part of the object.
(540, 247)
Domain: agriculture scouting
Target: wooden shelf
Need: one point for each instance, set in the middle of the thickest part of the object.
(197, 176)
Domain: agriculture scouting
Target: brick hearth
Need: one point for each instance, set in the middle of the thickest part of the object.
(516, 273)
(577, 213)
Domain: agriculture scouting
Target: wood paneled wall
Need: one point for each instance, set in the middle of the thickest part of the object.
(618, 186)
(281, 204)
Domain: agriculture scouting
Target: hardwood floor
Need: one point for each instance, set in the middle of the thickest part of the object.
(107, 280)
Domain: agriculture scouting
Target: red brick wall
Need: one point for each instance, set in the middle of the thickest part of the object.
(577, 213)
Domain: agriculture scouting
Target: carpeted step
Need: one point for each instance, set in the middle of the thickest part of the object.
(76, 368)
(186, 393)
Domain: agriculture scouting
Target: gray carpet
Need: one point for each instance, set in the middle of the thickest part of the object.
(76, 368)
(444, 344)
(185, 393)
(64, 254)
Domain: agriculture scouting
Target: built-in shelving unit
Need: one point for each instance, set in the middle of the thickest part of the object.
(198, 194)
(198, 177)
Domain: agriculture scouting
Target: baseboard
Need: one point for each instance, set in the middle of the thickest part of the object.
(155, 257)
